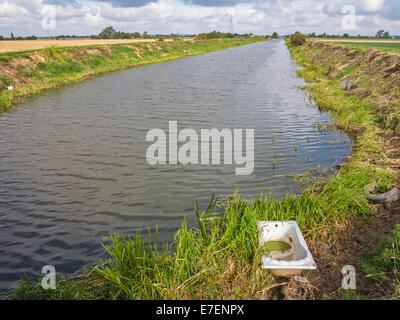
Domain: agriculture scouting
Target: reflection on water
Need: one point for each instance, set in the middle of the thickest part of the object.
(73, 167)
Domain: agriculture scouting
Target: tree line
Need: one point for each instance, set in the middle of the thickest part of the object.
(111, 33)
(381, 34)
(12, 37)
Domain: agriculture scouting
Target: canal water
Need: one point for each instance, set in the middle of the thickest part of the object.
(73, 166)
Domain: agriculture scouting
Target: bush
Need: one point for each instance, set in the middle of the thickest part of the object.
(297, 39)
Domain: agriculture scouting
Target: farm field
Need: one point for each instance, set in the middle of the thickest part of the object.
(28, 45)
(383, 45)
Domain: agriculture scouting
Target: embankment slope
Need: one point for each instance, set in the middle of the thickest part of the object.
(371, 111)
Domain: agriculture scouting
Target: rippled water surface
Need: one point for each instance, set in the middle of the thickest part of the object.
(73, 167)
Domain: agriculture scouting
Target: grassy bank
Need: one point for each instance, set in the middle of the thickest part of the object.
(370, 109)
(30, 72)
(220, 258)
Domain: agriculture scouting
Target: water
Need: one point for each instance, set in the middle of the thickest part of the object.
(72, 161)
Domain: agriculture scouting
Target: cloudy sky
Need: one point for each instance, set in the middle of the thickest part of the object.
(86, 17)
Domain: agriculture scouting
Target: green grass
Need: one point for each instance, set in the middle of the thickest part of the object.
(384, 260)
(8, 56)
(387, 47)
(382, 263)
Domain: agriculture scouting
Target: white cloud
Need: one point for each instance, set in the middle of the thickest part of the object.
(166, 16)
(94, 19)
(373, 5)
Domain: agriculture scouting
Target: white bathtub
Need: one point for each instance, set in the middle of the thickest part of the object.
(300, 258)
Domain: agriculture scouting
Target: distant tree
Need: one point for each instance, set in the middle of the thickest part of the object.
(202, 36)
(145, 35)
(1, 37)
(122, 35)
(214, 35)
(275, 35)
(386, 35)
(108, 33)
(297, 39)
(346, 35)
(12, 36)
(136, 35)
(380, 33)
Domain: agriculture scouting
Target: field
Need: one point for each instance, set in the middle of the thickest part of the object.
(28, 45)
(392, 46)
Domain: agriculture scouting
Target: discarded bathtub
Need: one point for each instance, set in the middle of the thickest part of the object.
(289, 262)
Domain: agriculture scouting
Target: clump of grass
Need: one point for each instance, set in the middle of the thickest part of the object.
(5, 82)
(51, 54)
(8, 56)
(52, 69)
(218, 259)
(383, 262)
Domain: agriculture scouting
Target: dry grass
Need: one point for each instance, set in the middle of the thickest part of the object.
(27, 45)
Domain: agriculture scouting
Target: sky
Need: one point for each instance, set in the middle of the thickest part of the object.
(87, 17)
